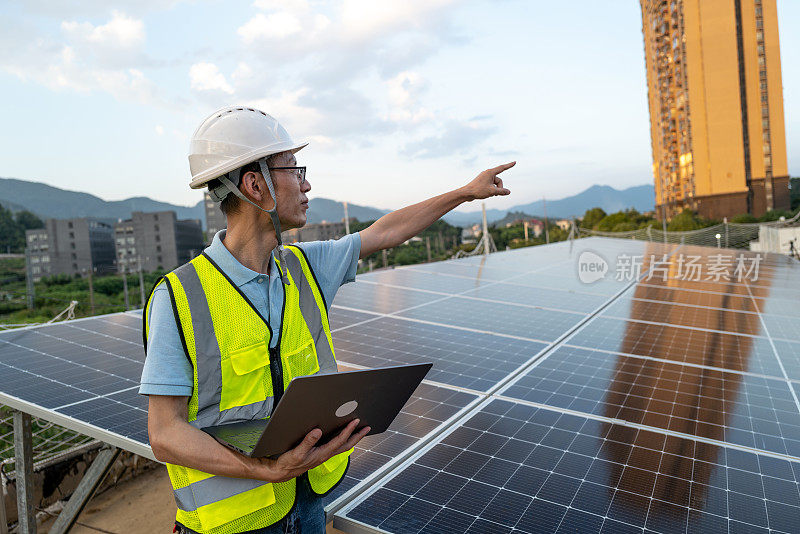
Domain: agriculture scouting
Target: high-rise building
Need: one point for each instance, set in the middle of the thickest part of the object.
(716, 106)
(71, 246)
(156, 240)
(215, 219)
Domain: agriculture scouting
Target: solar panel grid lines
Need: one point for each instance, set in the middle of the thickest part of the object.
(715, 349)
(536, 470)
(745, 410)
(476, 362)
(665, 360)
(468, 296)
(777, 355)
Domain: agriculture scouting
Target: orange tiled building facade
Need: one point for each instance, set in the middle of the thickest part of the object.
(716, 106)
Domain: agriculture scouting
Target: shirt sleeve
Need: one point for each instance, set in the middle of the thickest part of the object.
(167, 370)
(334, 262)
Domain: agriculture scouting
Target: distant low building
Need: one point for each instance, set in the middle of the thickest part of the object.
(71, 246)
(564, 224)
(534, 225)
(314, 232)
(156, 240)
(215, 219)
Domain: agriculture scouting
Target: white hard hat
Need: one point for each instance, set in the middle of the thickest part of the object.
(232, 137)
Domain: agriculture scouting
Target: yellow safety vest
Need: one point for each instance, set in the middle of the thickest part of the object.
(237, 377)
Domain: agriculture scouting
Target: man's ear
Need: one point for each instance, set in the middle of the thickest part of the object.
(255, 187)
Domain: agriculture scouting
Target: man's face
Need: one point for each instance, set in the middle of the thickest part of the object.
(292, 199)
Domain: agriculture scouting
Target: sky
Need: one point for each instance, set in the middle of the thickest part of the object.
(400, 100)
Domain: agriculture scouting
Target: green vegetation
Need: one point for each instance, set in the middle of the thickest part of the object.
(445, 240)
(54, 293)
(12, 229)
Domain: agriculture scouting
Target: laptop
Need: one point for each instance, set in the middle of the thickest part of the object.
(328, 402)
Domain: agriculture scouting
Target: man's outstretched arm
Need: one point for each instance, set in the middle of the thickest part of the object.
(398, 226)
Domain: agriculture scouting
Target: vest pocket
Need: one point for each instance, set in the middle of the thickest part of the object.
(243, 373)
(303, 361)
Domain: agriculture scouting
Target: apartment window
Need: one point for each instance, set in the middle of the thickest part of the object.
(69, 224)
(72, 235)
(34, 259)
(761, 61)
(72, 246)
(45, 259)
(759, 11)
(765, 123)
(764, 111)
(766, 137)
(159, 260)
(74, 256)
(35, 269)
(158, 238)
(74, 266)
(760, 35)
(155, 216)
(767, 161)
(158, 248)
(760, 49)
(767, 148)
(156, 228)
(759, 23)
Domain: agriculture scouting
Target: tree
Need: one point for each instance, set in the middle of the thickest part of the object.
(28, 220)
(609, 222)
(592, 218)
(685, 221)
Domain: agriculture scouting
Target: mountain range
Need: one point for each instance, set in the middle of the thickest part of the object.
(47, 201)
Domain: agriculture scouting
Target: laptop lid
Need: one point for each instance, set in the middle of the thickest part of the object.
(329, 402)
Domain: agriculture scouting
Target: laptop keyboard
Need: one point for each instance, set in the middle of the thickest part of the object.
(246, 440)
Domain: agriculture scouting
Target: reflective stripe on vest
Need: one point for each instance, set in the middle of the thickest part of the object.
(205, 301)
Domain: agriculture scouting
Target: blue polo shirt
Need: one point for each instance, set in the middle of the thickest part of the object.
(167, 371)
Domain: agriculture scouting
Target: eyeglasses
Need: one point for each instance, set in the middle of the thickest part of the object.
(299, 172)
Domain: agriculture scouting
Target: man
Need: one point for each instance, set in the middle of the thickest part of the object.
(226, 332)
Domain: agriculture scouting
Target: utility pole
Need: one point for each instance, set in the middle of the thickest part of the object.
(125, 287)
(29, 287)
(546, 230)
(485, 231)
(346, 219)
(428, 246)
(385, 258)
(141, 281)
(664, 224)
(91, 289)
(525, 226)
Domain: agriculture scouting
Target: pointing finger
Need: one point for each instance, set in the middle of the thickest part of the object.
(503, 167)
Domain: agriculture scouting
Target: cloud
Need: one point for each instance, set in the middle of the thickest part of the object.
(207, 77)
(159, 129)
(404, 93)
(87, 58)
(456, 137)
(329, 55)
(274, 26)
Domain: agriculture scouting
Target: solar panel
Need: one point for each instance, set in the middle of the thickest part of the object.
(428, 409)
(606, 407)
(513, 467)
(381, 299)
(465, 359)
(502, 318)
(736, 352)
(737, 408)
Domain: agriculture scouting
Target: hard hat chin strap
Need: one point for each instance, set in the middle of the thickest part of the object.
(273, 213)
